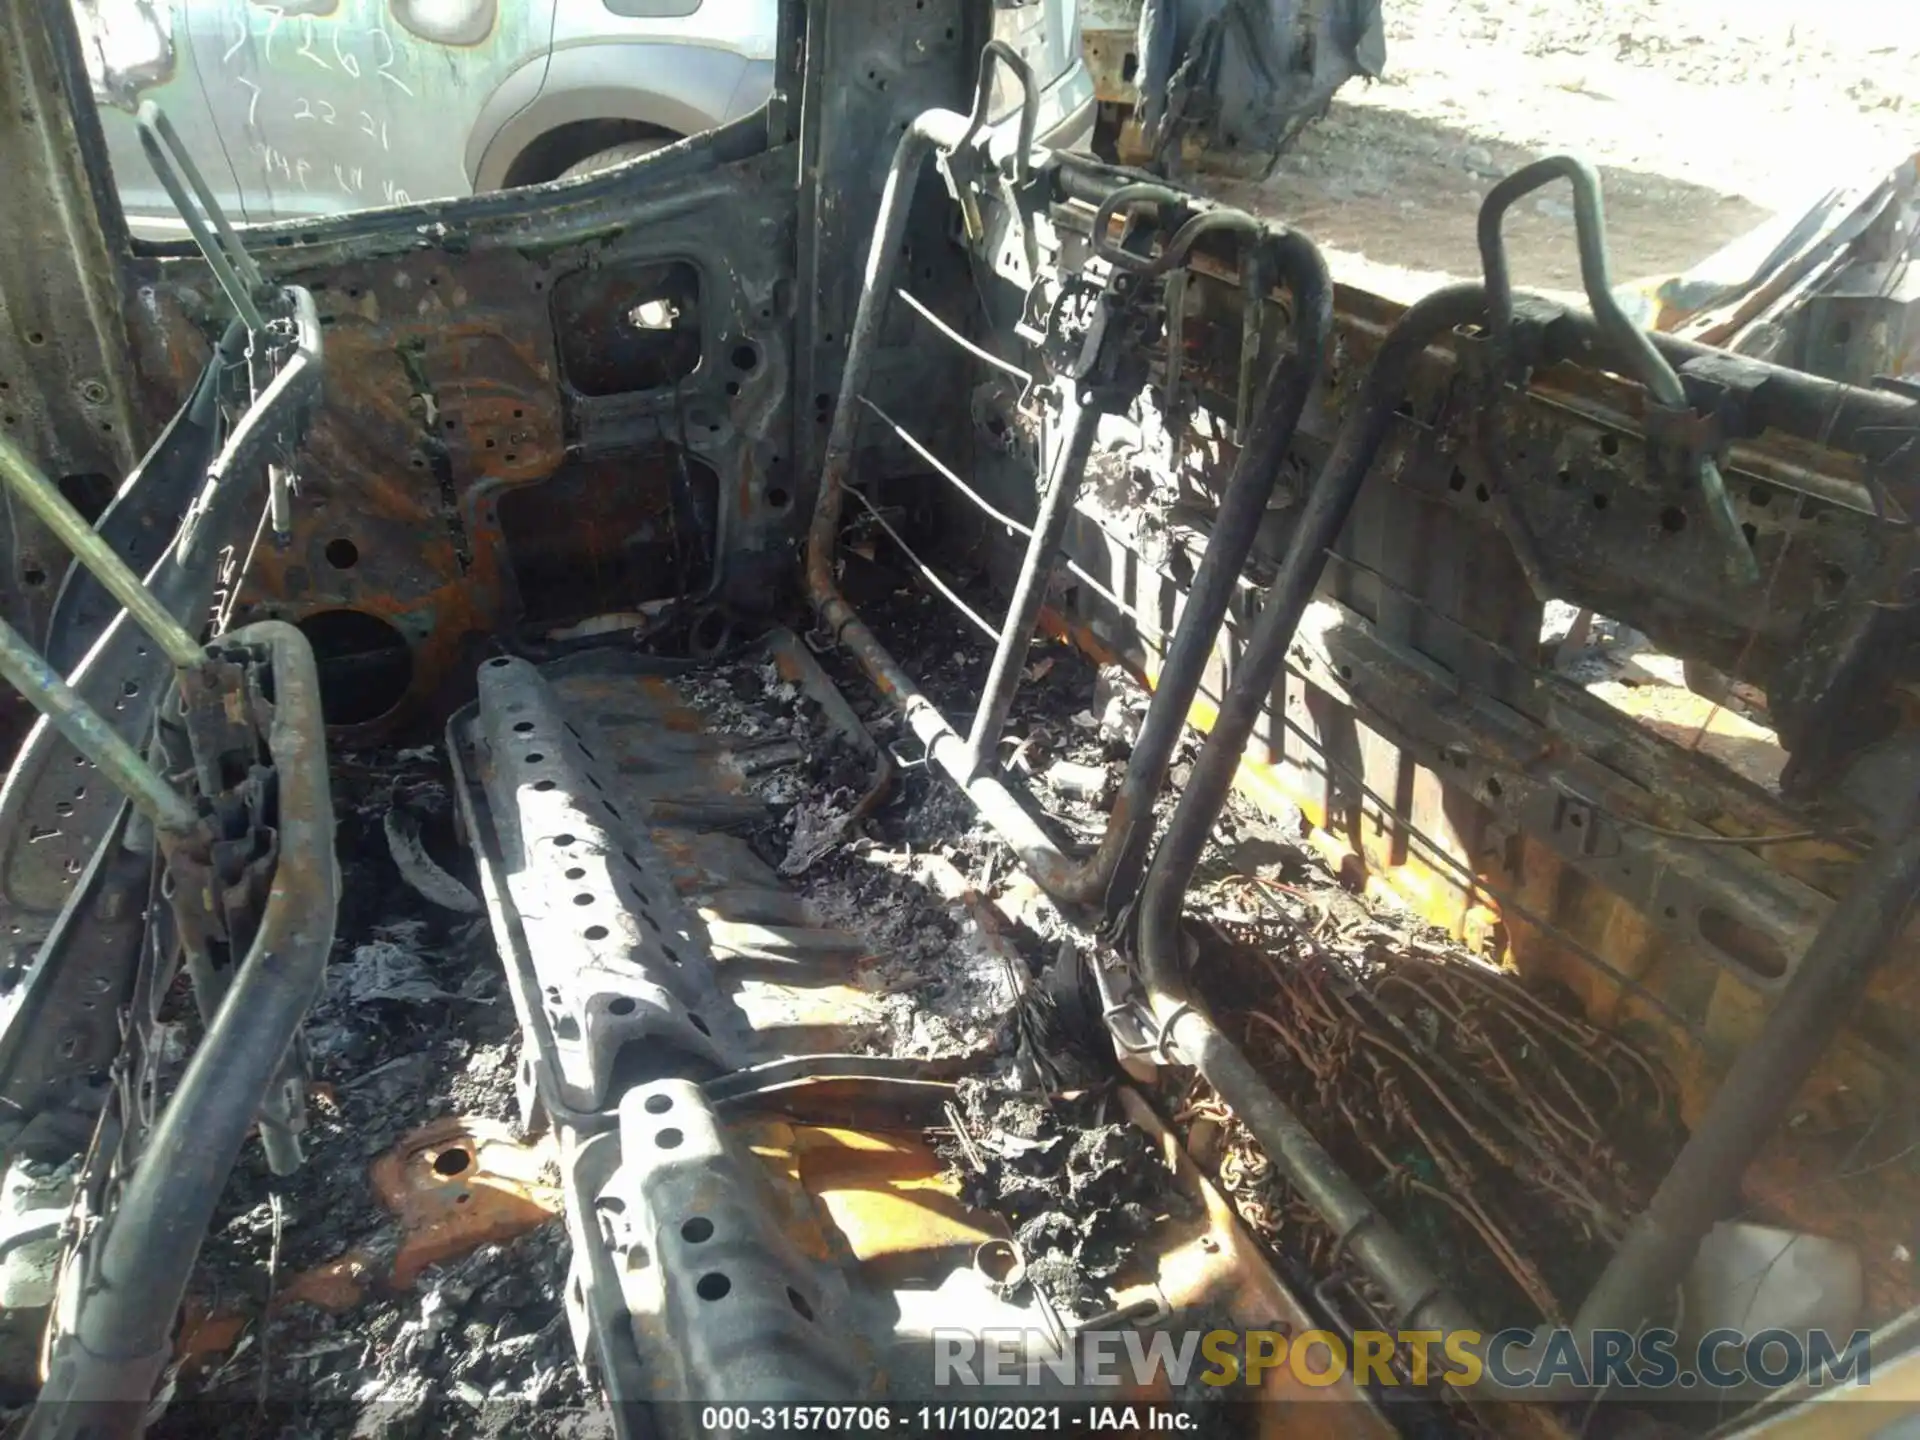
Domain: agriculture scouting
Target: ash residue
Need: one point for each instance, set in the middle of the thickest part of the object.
(412, 1024)
(480, 1349)
(950, 985)
(957, 927)
(808, 774)
(1081, 1188)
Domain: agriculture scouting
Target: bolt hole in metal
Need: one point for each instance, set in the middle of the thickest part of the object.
(669, 1138)
(713, 1286)
(658, 1104)
(452, 1162)
(697, 1230)
(621, 1005)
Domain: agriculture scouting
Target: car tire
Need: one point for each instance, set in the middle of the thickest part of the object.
(616, 155)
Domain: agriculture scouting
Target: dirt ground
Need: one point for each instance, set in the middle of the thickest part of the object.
(1705, 117)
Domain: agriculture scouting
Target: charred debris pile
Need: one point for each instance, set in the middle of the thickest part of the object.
(1485, 1117)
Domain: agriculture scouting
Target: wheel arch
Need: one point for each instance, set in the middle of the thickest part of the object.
(634, 88)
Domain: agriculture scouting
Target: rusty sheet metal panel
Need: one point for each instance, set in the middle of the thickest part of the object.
(449, 392)
(67, 390)
(1536, 858)
(439, 397)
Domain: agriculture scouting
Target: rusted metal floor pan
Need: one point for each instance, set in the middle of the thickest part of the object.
(754, 1204)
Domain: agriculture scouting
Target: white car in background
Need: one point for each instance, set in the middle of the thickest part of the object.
(308, 108)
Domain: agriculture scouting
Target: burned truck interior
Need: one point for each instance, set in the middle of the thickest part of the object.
(861, 730)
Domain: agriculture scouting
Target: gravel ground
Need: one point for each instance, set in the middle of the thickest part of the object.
(1705, 116)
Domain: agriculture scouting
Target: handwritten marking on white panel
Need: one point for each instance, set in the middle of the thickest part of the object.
(306, 42)
(385, 68)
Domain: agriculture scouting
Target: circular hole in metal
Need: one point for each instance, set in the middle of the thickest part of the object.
(576, 872)
(595, 932)
(522, 727)
(342, 554)
(585, 897)
(498, 661)
(543, 785)
(997, 1260)
(563, 840)
(658, 1104)
(713, 1286)
(620, 1005)
(745, 357)
(365, 665)
(669, 1139)
(696, 1231)
(452, 1162)
(534, 757)
(778, 498)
